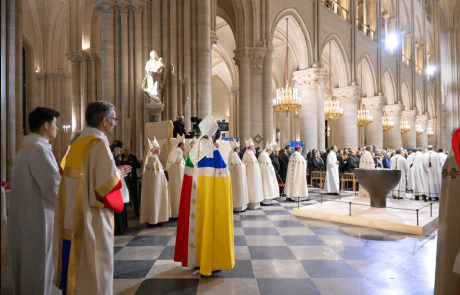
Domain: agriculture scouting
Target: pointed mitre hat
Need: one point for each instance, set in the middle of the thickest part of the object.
(249, 142)
(180, 139)
(153, 144)
(268, 146)
(208, 126)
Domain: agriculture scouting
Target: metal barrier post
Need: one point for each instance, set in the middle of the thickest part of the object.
(350, 208)
(321, 198)
(298, 203)
(431, 209)
(417, 216)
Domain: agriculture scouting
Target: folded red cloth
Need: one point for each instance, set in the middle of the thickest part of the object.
(6, 185)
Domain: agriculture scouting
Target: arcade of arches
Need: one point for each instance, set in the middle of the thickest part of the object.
(227, 57)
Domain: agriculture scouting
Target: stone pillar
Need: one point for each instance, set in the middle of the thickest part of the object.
(42, 81)
(244, 109)
(292, 127)
(75, 62)
(409, 140)
(393, 136)
(93, 57)
(173, 49)
(306, 82)
(374, 131)
(422, 140)
(139, 76)
(124, 75)
(187, 66)
(432, 125)
(320, 94)
(108, 52)
(3, 92)
(346, 128)
(84, 86)
(203, 20)
(268, 97)
(285, 129)
(235, 117)
(256, 101)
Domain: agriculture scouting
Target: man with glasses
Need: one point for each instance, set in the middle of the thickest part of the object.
(90, 192)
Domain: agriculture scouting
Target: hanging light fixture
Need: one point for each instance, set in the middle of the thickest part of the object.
(332, 109)
(430, 132)
(364, 118)
(287, 99)
(387, 124)
(405, 127)
(418, 129)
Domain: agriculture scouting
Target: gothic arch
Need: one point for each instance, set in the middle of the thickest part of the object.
(406, 95)
(340, 66)
(389, 89)
(365, 76)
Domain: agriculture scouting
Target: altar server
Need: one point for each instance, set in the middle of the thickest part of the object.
(447, 280)
(35, 184)
(155, 205)
(398, 162)
(205, 226)
(296, 179)
(175, 167)
(332, 182)
(442, 155)
(410, 172)
(267, 172)
(367, 162)
(420, 175)
(238, 177)
(435, 163)
(88, 195)
(255, 189)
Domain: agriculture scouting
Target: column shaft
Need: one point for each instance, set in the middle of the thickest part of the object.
(422, 139)
(393, 136)
(124, 75)
(156, 27)
(84, 87)
(409, 139)
(108, 53)
(374, 130)
(244, 121)
(268, 97)
(204, 58)
(139, 75)
(187, 66)
(173, 50)
(75, 64)
(256, 91)
(320, 113)
(166, 58)
(346, 134)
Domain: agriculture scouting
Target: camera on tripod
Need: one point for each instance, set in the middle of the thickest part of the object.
(196, 121)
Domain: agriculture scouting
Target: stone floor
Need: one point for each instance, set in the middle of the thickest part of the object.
(278, 253)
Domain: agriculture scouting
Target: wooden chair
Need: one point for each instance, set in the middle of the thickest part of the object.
(348, 177)
(316, 175)
(323, 178)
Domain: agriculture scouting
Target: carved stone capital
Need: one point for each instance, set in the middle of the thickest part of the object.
(375, 102)
(410, 115)
(422, 119)
(257, 62)
(73, 57)
(308, 78)
(93, 56)
(84, 56)
(138, 10)
(394, 110)
(235, 88)
(241, 57)
(41, 76)
(350, 94)
(107, 8)
(124, 10)
(214, 37)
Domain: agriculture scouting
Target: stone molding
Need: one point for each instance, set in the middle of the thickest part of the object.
(107, 8)
(93, 56)
(374, 102)
(394, 110)
(257, 62)
(350, 94)
(73, 57)
(124, 10)
(308, 78)
(84, 56)
(410, 115)
(422, 119)
(138, 10)
(214, 37)
(235, 88)
(432, 121)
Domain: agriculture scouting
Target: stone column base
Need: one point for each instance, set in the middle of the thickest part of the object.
(153, 112)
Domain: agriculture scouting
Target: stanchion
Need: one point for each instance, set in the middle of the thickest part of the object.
(431, 209)
(321, 198)
(417, 216)
(298, 203)
(350, 208)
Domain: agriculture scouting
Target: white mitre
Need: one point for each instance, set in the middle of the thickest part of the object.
(249, 143)
(204, 147)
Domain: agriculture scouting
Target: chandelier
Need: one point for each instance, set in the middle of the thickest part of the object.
(332, 109)
(430, 132)
(405, 127)
(287, 99)
(363, 117)
(418, 129)
(387, 124)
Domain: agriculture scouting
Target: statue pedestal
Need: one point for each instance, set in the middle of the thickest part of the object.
(154, 111)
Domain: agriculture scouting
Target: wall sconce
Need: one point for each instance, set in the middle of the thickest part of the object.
(67, 129)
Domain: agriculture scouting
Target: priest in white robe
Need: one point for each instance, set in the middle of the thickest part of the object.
(296, 177)
(420, 175)
(442, 155)
(447, 280)
(238, 177)
(155, 205)
(35, 184)
(269, 181)
(89, 194)
(367, 162)
(410, 174)
(254, 178)
(398, 162)
(332, 181)
(175, 166)
(435, 163)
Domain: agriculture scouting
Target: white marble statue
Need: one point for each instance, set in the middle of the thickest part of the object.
(154, 79)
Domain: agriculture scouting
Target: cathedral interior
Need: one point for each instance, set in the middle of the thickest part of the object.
(228, 58)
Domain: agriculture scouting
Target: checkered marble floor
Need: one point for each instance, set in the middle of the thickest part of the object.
(278, 253)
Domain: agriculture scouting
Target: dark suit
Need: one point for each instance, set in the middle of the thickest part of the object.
(276, 165)
(121, 219)
(132, 179)
(317, 164)
(283, 167)
(352, 163)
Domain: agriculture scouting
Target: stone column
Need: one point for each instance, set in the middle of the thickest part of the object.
(84, 86)
(374, 130)
(108, 52)
(75, 62)
(268, 97)
(93, 57)
(432, 125)
(256, 101)
(41, 81)
(285, 129)
(235, 117)
(320, 94)
(306, 82)
(346, 128)
(409, 140)
(124, 74)
(187, 66)
(139, 76)
(422, 140)
(173, 49)
(203, 20)
(3, 92)
(393, 136)
(244, 108)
